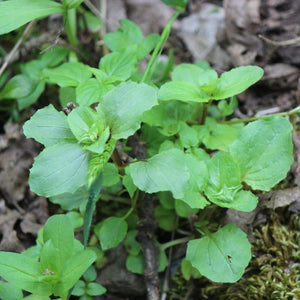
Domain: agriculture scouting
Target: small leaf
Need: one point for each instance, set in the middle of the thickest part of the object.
(24, 11)
(112, 231)
(221, 256)
(165, 218)
(264, 152)
(165, 171)
(95, 289)
(68, 74)
(135, 264)
(79, 288)
(47, 126)
(58, 169)
(124, 105)
(32, 97)
(236, 80)
(180, 4)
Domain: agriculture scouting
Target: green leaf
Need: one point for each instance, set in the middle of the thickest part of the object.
(135, 263)
(221, 256)
(118, 65)
(224, 184)
(264, 152)
(59, 230)
(110, 175)
(73, 3)
(90, 274)
(24, 11)
(183, 209)
(85, 124)
(23, 272)
(112, 231)
(188, 270)
(183, 91)
(165, 171)
(9, 292)
(68, 74)
(94, 191)
(188, 136)
(131, 244)
(187, 73)
(59, 169)
(69, 201)
(236, 81)
(124, 105)
(89, 92)
(95, 289)
(165, 217)
(180, 4)
(147, 45)
(73, 269)
(79, 288)
(28, 100)
(75, 218)
(17, 87)
(47, 126)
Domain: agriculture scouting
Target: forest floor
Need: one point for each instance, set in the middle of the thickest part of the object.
(227, 34)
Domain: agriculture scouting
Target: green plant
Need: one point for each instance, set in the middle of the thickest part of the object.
(196, 157)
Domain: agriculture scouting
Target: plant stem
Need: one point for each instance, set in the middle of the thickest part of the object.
(283, 114)
(156, 52)
(183, 240)
(133, 204)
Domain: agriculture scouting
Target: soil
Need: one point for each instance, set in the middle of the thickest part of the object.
(227, 34)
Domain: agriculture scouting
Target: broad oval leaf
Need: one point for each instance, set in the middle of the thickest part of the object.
(124, 105)
(165, 171)
(183, 91)
(68, 74)
(59, 169)
(264, 152)
(23, 272)
(221, 256)
(15, 13)
(47, 126)
(236, 81)
(111, 232)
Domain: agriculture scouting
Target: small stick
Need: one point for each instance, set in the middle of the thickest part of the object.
(17, 45)
(281, 43)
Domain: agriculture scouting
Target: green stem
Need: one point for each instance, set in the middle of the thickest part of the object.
(133, 204)
(163, 38)
(283, 114)
(183, 240)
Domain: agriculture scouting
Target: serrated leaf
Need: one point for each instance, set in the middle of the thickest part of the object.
(165, 171)
(264, 152)
(236, 80)
(59, 169)
(47, 126)
(221, 256)
(24, 272)
(183, 91)
(112, 231)
(68, 74)
(124, 105)
(24, 11)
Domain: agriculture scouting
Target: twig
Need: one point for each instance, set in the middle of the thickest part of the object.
(280, 43)
(17, 45)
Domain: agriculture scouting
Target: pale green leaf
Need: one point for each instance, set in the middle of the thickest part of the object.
(95, 289)
(221, 256)
(183, 91)
(58, 169)
(89, 92)
(47, 126)
(15, 13)
(165, 171)
(264, 152)
(124, 105)
(236, 80)
(68, 74)
(9, 292)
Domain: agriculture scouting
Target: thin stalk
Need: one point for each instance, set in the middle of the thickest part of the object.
(133, 204)
(246, 120)
(183, 240)
(163, 38)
